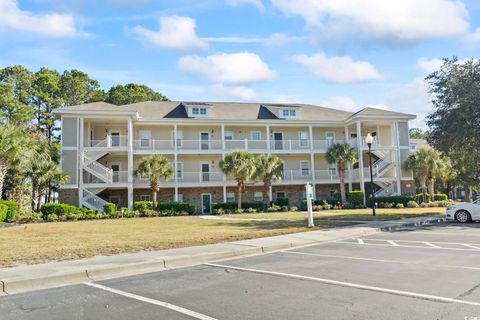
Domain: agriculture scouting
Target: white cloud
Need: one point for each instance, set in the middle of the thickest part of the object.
(48, 24)
(338, 69)
(403, 21)
(175, 32)
(256, 3)
(237, 92)
(429, 65)
(472, 38)
(228, 68)
(341, 103)
(275, 39)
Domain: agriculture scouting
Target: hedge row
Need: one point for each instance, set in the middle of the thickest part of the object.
(232, 206)
(61, 209)
(406, 198)
(3, 212)
(174, 206)
(12, 211)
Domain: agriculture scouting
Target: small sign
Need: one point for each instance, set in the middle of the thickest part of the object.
(309, 191)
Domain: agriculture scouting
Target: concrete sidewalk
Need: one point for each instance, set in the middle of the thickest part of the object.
(54, 274)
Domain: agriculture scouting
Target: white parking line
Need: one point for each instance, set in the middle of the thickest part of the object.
(360, 241)
(419, 241)
(470, 246)
(431, 245)
(349, 285)
(380, 260)
(405, 246)
(152, 301)
(393, 243)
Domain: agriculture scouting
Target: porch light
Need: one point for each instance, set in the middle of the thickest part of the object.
(369, 139)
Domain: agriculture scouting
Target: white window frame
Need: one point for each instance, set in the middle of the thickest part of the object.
(145, 197)
(179, 138)
(179, 165)
(179, 197)
(302, 140)
(201, 141)
(228, 134)
(110, 144)
(257, 197)
(301, 168)
(230, 199)
(328, 139)
(332, 170)
(148, 140)
(277, 192)
(209, 171)
(255, 132)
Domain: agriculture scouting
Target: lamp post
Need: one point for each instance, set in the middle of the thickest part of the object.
(369, 141)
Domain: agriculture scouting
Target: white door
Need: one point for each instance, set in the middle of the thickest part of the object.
(145, 138)
(115, 139)
(205, 140)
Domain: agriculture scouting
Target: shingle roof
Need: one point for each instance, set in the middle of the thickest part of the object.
(156, 110)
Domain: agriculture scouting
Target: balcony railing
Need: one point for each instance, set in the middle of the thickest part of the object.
(109, 142)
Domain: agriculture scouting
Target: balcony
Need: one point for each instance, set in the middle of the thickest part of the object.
(185, 178)
(112, 141)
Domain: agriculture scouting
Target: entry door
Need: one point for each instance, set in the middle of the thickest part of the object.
(205, 172)
(278, 138)
(330, 138)
(116, 169)
(115, 139)
(205, 140)
(206, 203)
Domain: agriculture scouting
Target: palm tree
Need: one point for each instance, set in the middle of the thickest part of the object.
(268, 167)
(418, 163)
(12, 142)
(341, 154)
(240, 165)
(42, 174)
(438, 165)
(154, 167)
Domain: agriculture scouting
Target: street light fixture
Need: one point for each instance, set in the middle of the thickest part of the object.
(369, 141)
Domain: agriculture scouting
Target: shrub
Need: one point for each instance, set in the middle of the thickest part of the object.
(282, 201)
(3, 212)
(142, 205)
(399, 205)
(59, 209)
(412, 204)
(326, 206)
(389, 205)
(273, 208)
(109, 208)
(355, 198)
(239, 211)
(420, 197)
(316, 208)
(440, 197)
(178, 207)
(218, 211)
(251, 210)
(27, 216)
(284, 208)
(231, 207)
(293, 209)
(13, 209)
(424, 205)
(394, 199)
(52, 217)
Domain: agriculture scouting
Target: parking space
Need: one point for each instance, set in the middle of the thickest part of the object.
(426, 273)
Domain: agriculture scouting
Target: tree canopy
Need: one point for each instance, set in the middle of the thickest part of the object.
(132, 93)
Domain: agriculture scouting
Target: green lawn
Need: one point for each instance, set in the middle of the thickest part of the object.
(42, 242)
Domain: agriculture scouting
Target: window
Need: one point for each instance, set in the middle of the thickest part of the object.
(180, 197)
(230, 196)
(293, 113)
(179, 170)
(332, 193)
(203, 111)
(145, 197)
(195, 111)
(285, 113)
(330, 136)
(289, 113)
(303, 137)
(145, 136)
(255, 135)
(179, 138)
(305, 168)
(413, 147)
(332, 171)
(199, 111)
(228, 135)
(304, 194)
(281, 194)
(258, 196)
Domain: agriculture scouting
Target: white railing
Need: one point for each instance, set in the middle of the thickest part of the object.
(326, 175)
(97, 169)
(246, 144)
(120, 176)
(153, 145)
(201, 145)
(92, 201)
(387, 189)
(295, 175)
(186, 177)
(109, 142)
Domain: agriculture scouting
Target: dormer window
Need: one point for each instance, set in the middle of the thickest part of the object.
(198, 111)
(289, 113)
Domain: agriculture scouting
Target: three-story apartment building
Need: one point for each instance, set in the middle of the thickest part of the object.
(103, 143)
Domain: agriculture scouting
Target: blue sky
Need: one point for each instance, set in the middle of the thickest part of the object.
(346, 54)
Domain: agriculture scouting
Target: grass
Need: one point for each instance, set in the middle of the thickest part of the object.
(347, 215)
(43, 242)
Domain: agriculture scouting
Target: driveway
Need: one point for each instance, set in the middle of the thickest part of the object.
(423, 273)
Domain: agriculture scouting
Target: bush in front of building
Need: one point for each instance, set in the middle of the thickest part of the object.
(178, 207)
(232, 206)
(282, 202)
(142, 206)
(109, 208)
(58, 209)
(3, 212)
(355, 198)
(13, 209)
(395, 199)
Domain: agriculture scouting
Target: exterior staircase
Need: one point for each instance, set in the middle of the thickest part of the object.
(98, 174)
(387, 189)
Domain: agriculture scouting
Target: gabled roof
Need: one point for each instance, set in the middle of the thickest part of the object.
(157, 110)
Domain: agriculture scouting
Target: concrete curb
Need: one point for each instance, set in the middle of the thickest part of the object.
(161, 263)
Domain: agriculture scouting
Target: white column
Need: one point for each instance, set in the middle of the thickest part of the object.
(360, 158)
(397, 156)
(267, 127)
(223, 137)
(175, 137)
(314, 186)
(270, 194)
(175, 160)
(349, 165)
(130, 163)
(80, 161)
(310, 134)
(224, 193)
(312, 165)
(176, 193)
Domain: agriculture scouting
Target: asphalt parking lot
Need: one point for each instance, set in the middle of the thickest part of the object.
(431, 272)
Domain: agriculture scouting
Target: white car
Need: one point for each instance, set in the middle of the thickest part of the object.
(464, 212)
